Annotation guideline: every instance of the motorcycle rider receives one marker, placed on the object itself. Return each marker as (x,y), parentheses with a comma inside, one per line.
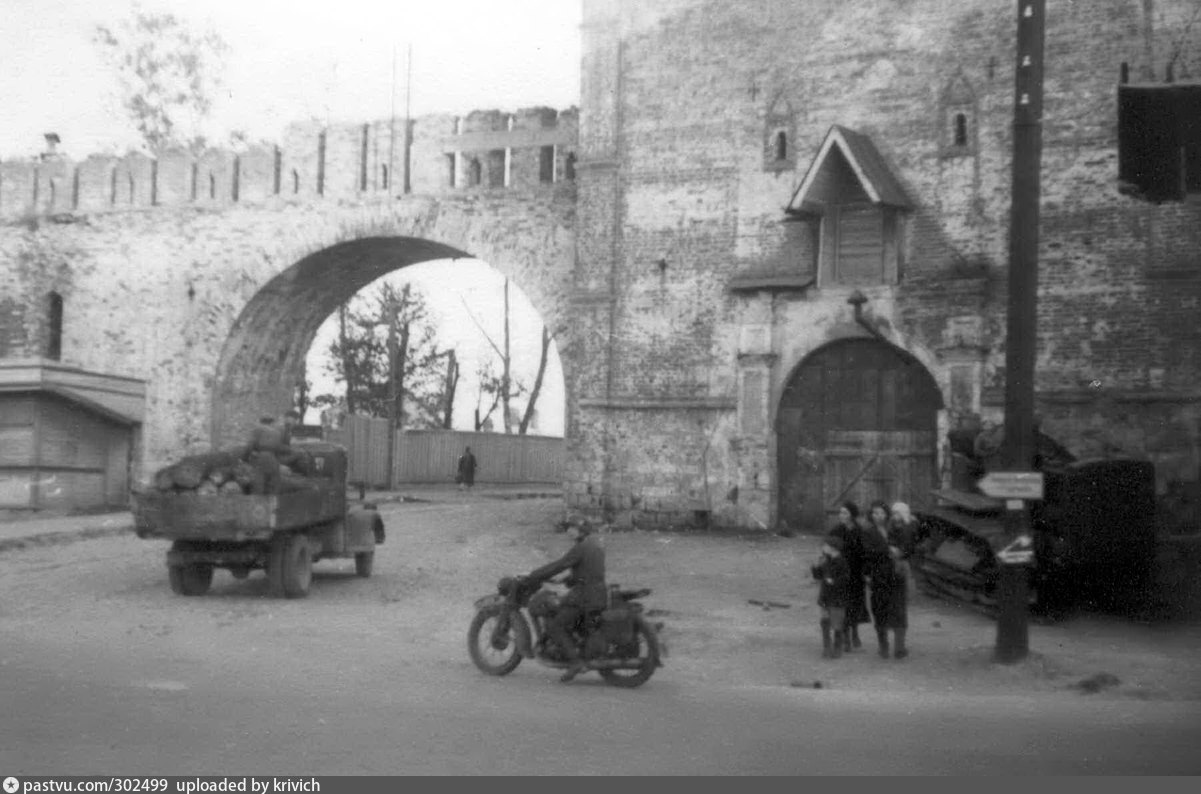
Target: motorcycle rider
(587,591)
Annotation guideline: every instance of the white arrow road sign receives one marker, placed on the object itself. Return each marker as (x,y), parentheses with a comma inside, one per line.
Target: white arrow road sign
(1012,484)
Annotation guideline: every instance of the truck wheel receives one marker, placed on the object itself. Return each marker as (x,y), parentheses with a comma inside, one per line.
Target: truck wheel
(297,568)
(190,580)
(363,562)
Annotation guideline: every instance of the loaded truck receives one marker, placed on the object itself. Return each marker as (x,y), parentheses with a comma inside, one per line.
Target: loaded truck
(281,533)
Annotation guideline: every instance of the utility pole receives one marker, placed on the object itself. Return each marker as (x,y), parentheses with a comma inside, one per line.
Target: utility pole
(408,147)
(1021,335)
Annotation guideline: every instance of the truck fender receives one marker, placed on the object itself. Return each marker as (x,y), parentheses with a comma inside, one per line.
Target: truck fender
(364,528)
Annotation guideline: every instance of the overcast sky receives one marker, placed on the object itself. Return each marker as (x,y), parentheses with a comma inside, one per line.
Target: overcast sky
(291,60)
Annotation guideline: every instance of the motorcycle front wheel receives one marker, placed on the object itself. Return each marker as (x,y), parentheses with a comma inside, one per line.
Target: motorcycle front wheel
(483,641)
(647,658)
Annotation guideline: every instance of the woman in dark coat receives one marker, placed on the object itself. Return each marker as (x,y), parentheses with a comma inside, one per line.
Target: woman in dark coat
(849,532)
(883,546)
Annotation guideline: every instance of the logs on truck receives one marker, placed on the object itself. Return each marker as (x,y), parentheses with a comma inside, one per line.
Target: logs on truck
(237,471)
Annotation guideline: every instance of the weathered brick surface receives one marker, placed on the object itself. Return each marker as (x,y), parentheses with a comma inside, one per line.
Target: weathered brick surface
(672,379)
(214,301)
(680,95)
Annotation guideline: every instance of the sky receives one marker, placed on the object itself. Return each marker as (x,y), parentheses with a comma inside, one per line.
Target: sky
(291,60)
(294,60)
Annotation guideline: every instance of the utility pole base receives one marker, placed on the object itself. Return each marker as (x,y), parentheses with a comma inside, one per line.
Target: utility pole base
(1013,636)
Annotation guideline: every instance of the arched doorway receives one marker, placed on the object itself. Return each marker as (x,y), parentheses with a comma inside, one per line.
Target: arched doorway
(857,420)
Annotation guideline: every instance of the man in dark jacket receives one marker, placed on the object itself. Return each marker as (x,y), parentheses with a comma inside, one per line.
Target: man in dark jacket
(587,591)
(467,466)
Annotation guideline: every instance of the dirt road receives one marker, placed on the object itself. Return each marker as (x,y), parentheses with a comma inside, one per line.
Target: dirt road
(105,668)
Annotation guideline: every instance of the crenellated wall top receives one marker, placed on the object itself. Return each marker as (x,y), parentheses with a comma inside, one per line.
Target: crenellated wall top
(312,159)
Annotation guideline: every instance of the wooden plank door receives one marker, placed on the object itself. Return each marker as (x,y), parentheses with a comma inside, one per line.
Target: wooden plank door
(857,422)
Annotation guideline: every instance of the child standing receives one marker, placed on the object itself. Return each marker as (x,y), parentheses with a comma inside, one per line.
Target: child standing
(833,594)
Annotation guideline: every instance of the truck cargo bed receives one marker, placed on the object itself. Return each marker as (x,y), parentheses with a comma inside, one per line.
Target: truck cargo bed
(191,516)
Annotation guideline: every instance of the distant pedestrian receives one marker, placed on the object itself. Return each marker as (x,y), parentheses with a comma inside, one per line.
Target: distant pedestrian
(889,596)
(851,533)
(833,593)
(467,467)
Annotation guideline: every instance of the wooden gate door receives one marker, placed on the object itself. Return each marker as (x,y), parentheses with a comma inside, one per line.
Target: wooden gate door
(857,421)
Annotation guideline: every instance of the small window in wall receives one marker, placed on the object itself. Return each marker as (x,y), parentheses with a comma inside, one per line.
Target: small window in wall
(781,145)
(212,185)
(1159,141)
(474,172)
(383,174)
(960,134)
(451,170)
(112,187)
(129,180)
(496,168)
(779,133)
(569,167)
(295,181)
(546,164)
(54,330)
(957,118)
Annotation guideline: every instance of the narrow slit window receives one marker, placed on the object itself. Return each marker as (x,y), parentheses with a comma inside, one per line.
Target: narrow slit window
(363,158)
(475,172)
(295,181)
(781,145)
(212,186)
(131,188)
(383,170)
(450,170)
(112,188)
(321,164)
(546,164)
(54,330)
(569,167)
(960,129)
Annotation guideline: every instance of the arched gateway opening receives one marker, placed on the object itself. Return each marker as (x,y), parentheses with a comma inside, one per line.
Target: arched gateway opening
(267,345)
(857,420)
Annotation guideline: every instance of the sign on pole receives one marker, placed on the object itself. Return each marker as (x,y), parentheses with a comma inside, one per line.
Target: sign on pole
(1012,484)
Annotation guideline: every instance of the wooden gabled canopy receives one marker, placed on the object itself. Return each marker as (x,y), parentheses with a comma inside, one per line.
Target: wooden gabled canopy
(847,169)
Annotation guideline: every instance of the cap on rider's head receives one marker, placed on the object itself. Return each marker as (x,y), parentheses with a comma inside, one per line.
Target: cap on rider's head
(583,528)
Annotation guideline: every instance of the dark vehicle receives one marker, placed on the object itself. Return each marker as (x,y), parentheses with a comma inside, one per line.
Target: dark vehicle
(280,533)
(618,642)
(1093,532)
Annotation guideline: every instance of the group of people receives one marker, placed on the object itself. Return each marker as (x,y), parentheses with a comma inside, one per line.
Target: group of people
(860,555)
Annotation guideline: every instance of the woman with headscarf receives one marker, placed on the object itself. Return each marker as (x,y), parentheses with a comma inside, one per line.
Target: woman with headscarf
(889,599)
(850,533)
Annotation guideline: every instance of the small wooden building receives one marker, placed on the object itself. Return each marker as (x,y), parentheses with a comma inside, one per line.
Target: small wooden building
(67,436)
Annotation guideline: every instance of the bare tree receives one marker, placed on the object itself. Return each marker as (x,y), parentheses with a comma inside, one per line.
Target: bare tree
(506,387)
(449,388)
(537,388)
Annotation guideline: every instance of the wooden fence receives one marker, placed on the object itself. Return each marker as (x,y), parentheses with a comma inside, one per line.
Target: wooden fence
(431,456)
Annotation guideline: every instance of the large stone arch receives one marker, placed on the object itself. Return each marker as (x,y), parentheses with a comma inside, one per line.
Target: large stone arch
(215,310)
(264,349)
